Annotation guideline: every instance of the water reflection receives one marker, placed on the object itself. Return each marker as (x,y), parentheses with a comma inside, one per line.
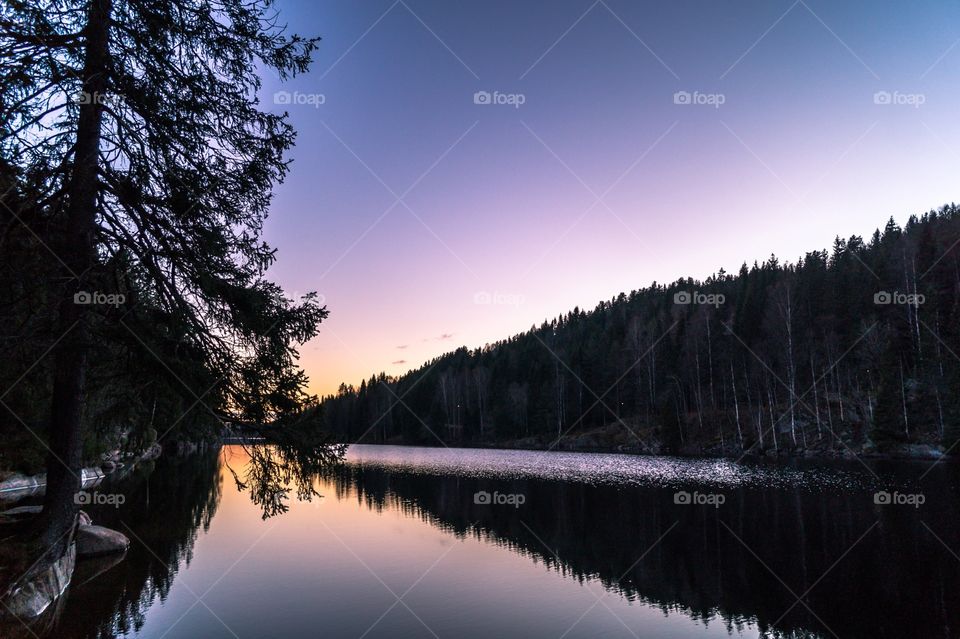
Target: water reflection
(795,558)
(167,507)
(272,471)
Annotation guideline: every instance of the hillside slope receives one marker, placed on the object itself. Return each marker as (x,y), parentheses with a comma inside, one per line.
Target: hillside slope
(851,350)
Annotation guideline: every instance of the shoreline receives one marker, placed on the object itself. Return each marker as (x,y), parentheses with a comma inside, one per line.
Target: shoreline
(910,452)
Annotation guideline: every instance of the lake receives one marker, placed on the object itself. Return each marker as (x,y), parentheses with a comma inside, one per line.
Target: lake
(428,542)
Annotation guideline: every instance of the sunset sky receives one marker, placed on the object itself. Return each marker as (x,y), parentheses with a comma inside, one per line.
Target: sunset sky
(614,143)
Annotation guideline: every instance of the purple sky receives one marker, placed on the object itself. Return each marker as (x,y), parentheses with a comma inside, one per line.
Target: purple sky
(428,221)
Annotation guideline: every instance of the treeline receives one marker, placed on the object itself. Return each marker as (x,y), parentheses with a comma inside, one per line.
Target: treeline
(848,348)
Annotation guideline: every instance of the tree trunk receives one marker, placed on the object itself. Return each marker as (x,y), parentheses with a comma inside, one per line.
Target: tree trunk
(903,398)
(736,406)
(816,396)
(78,254)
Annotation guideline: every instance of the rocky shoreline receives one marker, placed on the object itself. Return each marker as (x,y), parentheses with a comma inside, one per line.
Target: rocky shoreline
(16,486)
(929,452)
(919,451)
(612,440)
(31,596)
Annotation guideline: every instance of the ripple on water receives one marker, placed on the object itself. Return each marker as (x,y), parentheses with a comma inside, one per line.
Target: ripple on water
(603,468)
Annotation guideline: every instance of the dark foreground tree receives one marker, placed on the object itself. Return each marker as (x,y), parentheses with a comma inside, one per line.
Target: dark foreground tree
(134,135)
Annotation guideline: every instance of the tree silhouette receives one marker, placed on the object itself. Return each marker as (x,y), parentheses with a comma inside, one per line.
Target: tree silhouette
(133,129)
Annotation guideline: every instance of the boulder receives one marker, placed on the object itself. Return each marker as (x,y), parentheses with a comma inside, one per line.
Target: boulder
(16,486)
(152,452)
(919,451)
(95,541)
(89,477)
(22,511)
(43,584)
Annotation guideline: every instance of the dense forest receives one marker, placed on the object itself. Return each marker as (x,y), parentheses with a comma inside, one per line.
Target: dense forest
(845,351)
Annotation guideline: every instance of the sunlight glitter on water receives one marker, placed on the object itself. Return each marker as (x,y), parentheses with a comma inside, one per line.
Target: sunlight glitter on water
(604,468)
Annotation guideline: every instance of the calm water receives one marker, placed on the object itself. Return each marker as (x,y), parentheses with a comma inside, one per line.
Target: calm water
(398,547)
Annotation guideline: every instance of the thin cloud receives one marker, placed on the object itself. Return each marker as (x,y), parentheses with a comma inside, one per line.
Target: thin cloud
(445,336)
(400,361)
(402,346)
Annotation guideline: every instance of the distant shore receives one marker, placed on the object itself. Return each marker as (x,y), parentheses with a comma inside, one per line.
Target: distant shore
(820,450)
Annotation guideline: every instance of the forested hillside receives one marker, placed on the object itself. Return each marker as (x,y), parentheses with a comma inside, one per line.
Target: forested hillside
(848,349)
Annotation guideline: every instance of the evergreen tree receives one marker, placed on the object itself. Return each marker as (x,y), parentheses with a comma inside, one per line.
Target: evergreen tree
(134,128)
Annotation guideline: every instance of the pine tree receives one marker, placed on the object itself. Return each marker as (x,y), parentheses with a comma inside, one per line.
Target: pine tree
(135,127)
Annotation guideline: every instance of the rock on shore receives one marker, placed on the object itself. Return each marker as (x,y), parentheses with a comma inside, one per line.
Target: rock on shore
(96,541)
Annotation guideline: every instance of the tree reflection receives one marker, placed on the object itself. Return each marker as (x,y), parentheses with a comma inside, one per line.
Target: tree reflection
(730,565)
(291,460)
(168,505)
(733,566)
(167,508)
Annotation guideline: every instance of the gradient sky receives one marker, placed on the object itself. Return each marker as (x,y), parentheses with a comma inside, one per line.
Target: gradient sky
(409,207)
